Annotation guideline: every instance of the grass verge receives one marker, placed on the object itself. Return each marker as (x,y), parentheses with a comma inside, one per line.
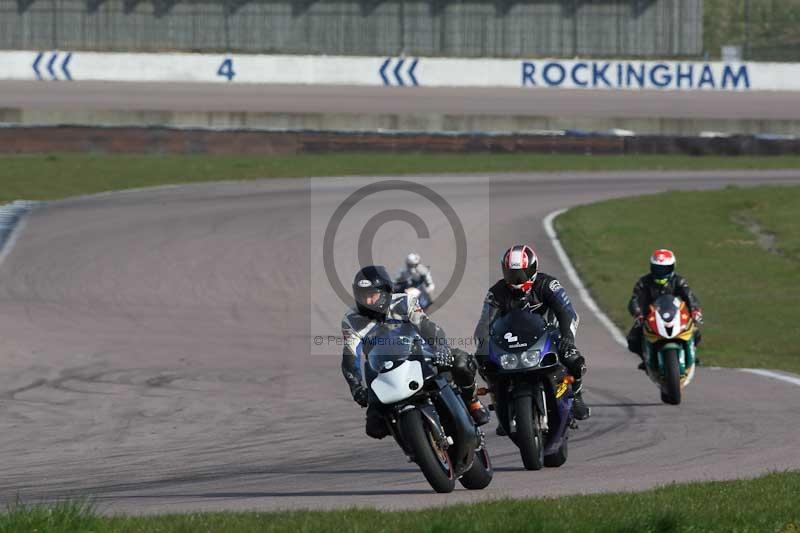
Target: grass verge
(47,177)
(768,503)
(739,249)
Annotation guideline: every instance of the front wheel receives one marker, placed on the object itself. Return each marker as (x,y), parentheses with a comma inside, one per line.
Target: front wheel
(529,436)
(432,460)
(480,473)
(671,392)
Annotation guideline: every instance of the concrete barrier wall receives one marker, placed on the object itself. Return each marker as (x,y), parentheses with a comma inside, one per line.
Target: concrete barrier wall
(415,122)
(51,66)
(193,141)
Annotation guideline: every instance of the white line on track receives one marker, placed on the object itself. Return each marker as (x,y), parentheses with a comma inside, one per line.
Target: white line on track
(20,210)
(603,318)
(788,378)
(576,280)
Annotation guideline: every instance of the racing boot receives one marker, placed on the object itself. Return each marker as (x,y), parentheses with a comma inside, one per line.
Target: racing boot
(642,365)
(376,424)
(580,411)
(479,413)
(500,432)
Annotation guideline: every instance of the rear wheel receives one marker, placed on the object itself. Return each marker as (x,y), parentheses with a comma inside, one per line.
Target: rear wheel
(672,378)
(480,473)
(558,458)
(529,437)
(431,458)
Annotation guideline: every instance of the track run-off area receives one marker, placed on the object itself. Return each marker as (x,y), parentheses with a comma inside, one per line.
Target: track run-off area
(252,98)
(158,350)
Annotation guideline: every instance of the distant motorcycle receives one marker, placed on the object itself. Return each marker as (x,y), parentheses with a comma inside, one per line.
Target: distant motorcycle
(417,290)
(425,414)
(532,390)
(669,346)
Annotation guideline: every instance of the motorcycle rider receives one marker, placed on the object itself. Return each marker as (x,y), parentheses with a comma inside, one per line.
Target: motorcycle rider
(376,304)
(661,280)
(415,274)
(524,287)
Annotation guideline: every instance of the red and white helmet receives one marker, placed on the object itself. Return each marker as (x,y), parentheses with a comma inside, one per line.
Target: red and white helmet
(520,266)
(662,266)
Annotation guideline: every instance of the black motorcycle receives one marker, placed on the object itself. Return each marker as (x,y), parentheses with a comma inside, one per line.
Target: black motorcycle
(423,410)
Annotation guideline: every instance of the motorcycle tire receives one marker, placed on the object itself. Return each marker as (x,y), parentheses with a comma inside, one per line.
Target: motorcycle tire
(559,458)
(529,436)
(672,378)
(435,464)
(480,474)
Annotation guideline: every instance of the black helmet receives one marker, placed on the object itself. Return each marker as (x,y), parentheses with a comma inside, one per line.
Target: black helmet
(372,291)
(520,266)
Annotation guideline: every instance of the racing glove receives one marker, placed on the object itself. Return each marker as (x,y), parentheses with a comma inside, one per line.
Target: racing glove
(575,363)
(360,395)
(444,357)
(697,316)
(565,345)
(638,320)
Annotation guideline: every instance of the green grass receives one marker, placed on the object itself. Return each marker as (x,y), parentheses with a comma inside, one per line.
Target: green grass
(766,504)
(45,177)
(749,295)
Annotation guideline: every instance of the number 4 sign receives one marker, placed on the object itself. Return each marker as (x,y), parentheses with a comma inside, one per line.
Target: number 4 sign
(226,69)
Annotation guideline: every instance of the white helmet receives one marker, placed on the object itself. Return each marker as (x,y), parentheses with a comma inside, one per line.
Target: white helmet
(412,260)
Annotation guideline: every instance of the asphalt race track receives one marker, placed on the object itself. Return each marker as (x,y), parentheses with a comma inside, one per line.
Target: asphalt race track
(156,352)
(216,97)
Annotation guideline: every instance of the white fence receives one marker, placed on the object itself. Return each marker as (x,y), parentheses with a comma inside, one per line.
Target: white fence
(51,66)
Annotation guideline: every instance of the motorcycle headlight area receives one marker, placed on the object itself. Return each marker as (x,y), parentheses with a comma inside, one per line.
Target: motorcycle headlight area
(530,358)
(527,359)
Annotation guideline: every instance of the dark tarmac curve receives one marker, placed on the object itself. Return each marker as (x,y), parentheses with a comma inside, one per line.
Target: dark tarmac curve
(155,353)
(218,97)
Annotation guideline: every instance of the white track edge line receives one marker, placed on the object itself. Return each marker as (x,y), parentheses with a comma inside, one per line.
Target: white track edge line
(12,238)
(603,318)
(20,209)
(576,280)
(786,377)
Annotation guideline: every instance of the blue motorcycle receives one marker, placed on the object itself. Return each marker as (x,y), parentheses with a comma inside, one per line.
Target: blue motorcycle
(532,391)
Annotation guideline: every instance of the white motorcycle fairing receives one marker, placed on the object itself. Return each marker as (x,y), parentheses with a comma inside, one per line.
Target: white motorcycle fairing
(395,385)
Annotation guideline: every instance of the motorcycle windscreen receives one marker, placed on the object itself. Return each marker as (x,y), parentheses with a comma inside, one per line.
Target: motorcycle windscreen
(667,306)
(392,343)
(517,331)
(399,383)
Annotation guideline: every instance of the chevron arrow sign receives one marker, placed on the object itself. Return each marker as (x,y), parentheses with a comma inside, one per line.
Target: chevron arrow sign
(48,64)
(399,71)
